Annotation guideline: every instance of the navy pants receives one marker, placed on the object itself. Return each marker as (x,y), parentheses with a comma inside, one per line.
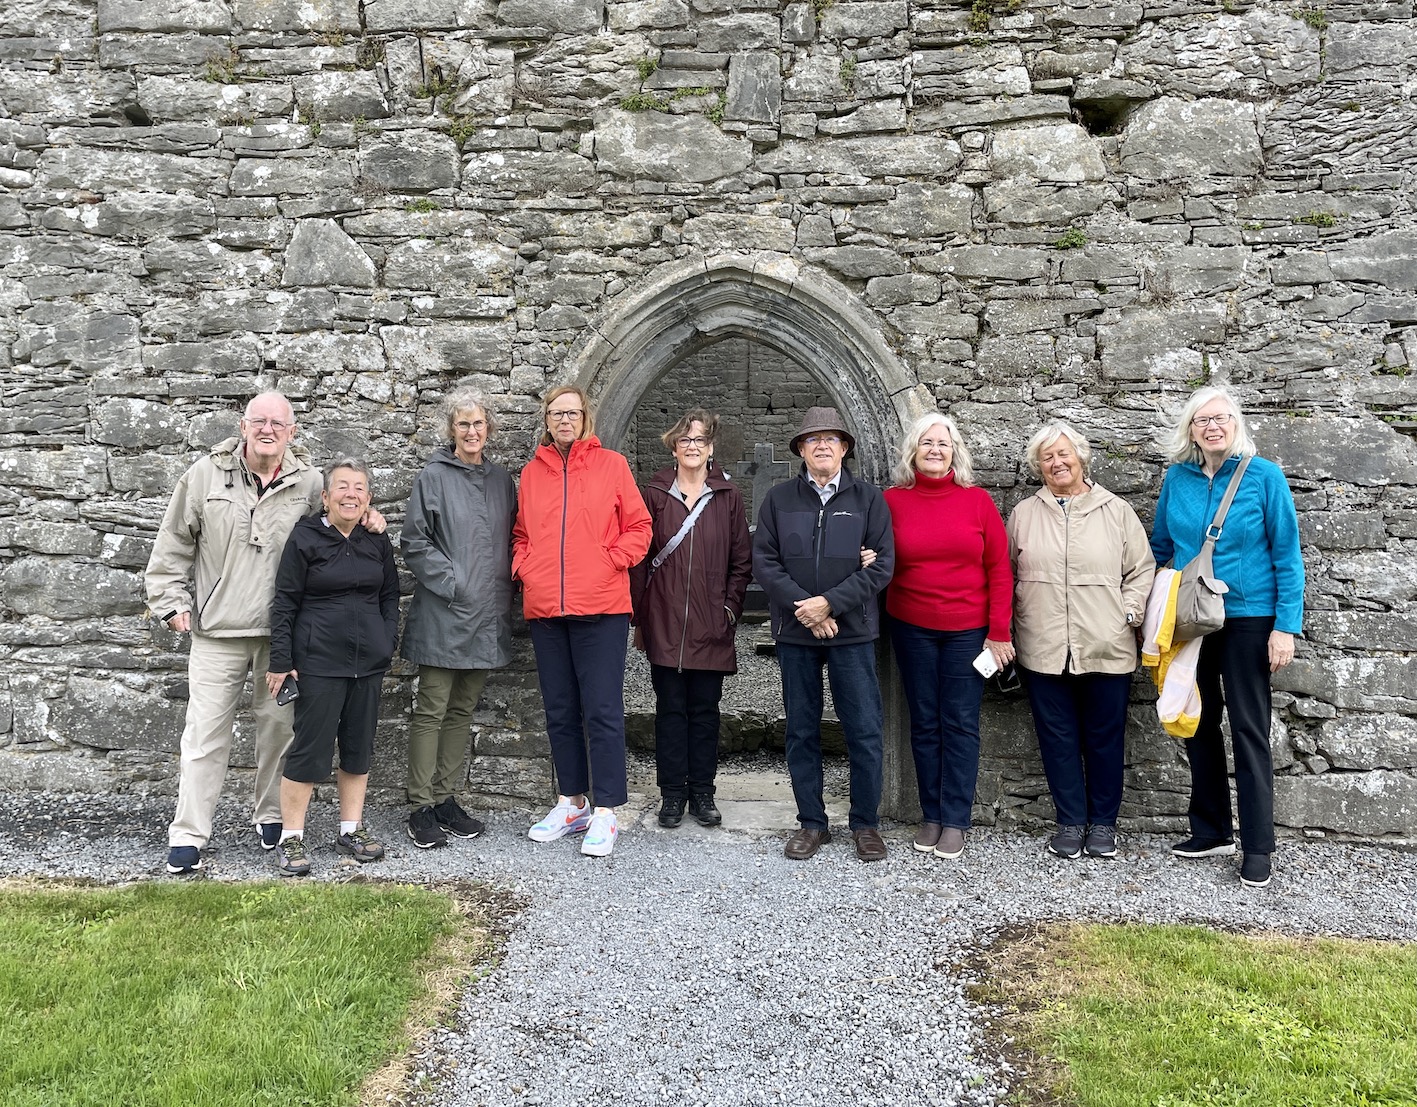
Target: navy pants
(857,697)
(1081,721)
(1235,659)
(686,720)
(943,690)
(580,664)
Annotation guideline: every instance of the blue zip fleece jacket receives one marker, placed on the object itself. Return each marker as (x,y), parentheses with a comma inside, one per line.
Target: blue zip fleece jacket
(1258,553)
(803,549)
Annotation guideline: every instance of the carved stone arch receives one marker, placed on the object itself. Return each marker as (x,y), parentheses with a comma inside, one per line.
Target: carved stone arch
(767,298)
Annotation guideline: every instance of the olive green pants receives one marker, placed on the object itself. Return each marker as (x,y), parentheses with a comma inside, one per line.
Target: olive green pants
(439,731)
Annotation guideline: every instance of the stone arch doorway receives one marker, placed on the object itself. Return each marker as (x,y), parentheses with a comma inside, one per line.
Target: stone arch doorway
(817,322)
(811,319)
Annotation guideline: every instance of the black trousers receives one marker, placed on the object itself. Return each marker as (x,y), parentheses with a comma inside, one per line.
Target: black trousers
(332,711)
(1233,677)
(686,719)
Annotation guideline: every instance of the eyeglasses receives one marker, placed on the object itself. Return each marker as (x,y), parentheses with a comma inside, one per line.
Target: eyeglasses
(478,425)
(275,424)
(1201,421)
(931,444)
(698,440)
(570,415)
(823,440)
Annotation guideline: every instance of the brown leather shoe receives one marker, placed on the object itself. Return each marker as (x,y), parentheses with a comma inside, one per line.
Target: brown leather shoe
(805,843)
(869,844)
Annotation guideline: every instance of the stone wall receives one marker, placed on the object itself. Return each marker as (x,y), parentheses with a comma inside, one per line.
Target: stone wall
(1079,209)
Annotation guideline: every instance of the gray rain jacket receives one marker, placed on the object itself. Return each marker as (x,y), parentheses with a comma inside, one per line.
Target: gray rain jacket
(457,542)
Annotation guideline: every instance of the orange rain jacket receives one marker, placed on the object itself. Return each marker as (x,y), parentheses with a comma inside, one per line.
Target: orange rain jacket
(580,526)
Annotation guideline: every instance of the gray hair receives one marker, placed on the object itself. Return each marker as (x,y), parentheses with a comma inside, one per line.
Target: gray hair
(903,474)
(1049,433)
(270,394)
(1178,445)
(707,419)
(465,398)
(348,463)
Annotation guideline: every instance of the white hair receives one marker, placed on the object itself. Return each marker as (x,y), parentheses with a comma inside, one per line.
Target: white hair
(903,474)
(271,395)
(1178,445)
(1049,433)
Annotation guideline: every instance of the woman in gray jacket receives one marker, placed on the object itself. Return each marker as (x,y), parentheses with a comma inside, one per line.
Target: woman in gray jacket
(457,541)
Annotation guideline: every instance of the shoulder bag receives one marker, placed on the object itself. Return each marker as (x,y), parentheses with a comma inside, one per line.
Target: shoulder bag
(1200,600)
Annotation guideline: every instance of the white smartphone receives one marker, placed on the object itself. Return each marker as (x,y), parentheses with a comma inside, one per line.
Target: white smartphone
(985,663)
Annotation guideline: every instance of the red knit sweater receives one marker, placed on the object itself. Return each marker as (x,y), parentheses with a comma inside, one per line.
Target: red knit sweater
(951,558)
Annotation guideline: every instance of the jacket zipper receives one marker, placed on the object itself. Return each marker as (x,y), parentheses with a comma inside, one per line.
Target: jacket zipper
(565,493)
(215,585)
(817,541)
(688,587)
(1067,587)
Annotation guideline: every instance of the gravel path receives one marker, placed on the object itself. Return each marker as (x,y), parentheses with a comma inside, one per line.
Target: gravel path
(702,967)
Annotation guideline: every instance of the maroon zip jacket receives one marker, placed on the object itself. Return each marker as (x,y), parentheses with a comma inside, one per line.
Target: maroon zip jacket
(683,608)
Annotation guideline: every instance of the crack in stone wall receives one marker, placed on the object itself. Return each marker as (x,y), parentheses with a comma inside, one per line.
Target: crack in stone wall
(1045,209)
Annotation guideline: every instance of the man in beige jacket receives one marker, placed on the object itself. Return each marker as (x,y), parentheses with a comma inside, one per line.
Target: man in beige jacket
(212,573)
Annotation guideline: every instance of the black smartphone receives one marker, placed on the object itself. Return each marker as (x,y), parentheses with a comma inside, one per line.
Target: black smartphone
(289,692)
(1007,678)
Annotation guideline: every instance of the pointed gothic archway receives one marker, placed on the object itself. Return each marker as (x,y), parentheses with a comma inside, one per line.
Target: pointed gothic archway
(818,323)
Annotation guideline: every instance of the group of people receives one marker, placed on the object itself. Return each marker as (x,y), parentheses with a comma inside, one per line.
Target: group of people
(292,579)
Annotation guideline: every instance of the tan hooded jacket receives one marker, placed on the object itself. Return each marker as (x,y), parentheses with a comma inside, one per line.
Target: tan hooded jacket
(1078,575)
(218,537)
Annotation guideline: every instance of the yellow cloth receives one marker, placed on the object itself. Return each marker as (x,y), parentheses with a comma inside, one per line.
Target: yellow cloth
(1172,664)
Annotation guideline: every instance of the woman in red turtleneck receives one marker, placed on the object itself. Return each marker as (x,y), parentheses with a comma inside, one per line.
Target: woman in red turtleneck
(950,598)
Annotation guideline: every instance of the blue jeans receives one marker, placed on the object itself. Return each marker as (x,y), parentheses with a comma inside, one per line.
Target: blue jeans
(857,696)
(580,664)
(943,690)
(1081,720)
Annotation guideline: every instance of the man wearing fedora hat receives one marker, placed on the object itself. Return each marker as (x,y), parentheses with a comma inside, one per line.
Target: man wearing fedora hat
(807,551)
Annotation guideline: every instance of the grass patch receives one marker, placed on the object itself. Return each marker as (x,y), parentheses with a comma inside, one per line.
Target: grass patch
(1074,238)
(1179,1016)
(203,994)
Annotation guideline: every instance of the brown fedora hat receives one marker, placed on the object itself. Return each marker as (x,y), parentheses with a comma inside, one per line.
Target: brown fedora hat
(820,419)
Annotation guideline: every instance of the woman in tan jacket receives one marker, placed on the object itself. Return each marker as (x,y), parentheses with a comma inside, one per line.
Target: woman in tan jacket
(1082,570)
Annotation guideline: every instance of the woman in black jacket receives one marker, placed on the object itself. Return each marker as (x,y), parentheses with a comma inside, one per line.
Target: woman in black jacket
(334,625)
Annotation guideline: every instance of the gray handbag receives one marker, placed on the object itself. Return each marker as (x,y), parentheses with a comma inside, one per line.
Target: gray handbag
(1200,601)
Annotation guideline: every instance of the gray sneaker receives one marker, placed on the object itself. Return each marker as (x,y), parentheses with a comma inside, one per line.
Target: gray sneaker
(951,843)
(1067,842)
(359,845)
(1101,841)
(291,859)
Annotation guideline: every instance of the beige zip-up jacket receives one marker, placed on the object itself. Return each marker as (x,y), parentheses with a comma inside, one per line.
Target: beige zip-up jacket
(219,547)
(1078,574)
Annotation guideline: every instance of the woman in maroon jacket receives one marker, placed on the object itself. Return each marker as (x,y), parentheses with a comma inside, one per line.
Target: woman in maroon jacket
(951,597)
(688,595)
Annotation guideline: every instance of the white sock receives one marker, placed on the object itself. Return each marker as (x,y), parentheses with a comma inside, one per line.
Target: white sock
(292,832)
(347,826)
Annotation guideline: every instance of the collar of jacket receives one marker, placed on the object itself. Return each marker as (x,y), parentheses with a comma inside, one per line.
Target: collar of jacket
(663,480)
(1226,468)
(228,455)
(1091,500)
(447,455)
(843,478)
(581,449)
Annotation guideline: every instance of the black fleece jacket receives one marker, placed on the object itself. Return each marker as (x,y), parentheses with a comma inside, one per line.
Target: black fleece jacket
(336,608)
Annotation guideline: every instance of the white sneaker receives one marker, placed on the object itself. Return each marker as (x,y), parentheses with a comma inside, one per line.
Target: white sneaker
(600,838)
(565,818)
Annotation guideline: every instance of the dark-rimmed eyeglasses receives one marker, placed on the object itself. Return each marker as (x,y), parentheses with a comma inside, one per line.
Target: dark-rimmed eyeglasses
(570,415)
(698,440)
(1201,421)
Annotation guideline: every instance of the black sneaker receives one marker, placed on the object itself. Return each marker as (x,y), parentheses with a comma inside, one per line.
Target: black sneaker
(423,828)
(1204,847)
(671,811)
(358,844)
(291,859)
(455,821)
(183,859)
(270,834)
(1101,841)
(1255,870)
(1067,842)
(702,808)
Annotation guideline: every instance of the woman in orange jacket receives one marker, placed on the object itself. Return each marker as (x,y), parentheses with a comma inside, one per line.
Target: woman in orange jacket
(580,525)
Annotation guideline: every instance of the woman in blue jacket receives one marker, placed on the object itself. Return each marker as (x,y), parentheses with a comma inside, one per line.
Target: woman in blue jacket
(1258,558)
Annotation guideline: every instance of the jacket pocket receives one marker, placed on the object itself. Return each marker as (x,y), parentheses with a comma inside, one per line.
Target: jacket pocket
(794,533)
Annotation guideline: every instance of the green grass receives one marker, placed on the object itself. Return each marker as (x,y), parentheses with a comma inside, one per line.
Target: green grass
(204,994)
(1177,1016)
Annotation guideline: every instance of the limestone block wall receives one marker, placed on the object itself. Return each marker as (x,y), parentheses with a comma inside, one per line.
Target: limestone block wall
(1073,208)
